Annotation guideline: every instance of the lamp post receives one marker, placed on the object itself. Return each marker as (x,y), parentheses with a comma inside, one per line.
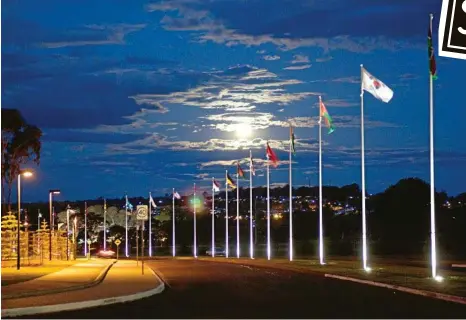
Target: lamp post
(25,173)
(51,193)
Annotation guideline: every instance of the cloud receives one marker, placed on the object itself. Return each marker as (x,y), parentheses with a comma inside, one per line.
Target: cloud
(300,59)
(240,88)
(324,59)
(351,79)
(300,67)
(110,35)
(225,23)
(339,103)
(271,58)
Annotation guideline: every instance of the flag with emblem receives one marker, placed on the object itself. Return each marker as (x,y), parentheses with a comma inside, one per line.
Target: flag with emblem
(271,156)
(230,182)
(376,87)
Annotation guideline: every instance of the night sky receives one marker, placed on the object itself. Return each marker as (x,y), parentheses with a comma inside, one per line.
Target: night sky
(136,96)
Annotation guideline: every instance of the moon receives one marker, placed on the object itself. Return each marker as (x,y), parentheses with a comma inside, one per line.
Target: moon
(243,130)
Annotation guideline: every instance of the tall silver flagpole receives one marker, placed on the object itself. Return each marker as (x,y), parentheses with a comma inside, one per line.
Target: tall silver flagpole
(226,214)
(237,212)
(213,218)
(67,231)
(105,224)
(321,227)
(126,226)
(363,178)
(432,176)
(268,210)
(195,227)
(291,199)
(251,245)
(150,224)
(173,225)
(85,229)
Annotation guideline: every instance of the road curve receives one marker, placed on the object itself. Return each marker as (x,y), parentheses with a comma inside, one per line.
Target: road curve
(203,289)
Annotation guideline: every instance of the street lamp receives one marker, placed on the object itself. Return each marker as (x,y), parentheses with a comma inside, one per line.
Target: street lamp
(51,193)
(27,174)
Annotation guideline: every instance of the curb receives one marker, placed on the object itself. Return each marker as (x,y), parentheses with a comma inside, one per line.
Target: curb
(19,312)
(430,294)
(95,282)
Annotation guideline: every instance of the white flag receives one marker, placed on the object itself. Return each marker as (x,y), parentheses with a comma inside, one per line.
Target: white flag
(177,195)
(376,87)
(152,202)
(215,186)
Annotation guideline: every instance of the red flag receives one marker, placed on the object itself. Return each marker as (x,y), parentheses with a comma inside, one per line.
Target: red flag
(272,156)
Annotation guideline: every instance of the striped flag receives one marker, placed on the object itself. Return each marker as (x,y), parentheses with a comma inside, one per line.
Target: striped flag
(324,114)
(239,170)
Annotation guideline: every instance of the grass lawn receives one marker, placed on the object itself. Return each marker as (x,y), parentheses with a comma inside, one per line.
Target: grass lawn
(454,282)
(10,275)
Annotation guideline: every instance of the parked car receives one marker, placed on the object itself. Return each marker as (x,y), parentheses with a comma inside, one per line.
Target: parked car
(220,252)
(106,254)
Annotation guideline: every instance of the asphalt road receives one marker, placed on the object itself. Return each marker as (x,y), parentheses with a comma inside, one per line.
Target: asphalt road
(202,289)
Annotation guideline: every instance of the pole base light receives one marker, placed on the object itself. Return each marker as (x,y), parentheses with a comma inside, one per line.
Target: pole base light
(438,278)
(322,263)
(368,269)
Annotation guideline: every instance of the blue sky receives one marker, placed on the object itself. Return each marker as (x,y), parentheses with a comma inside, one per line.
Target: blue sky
(137,96)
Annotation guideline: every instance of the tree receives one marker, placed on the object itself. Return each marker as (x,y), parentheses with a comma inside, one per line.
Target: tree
(20,144)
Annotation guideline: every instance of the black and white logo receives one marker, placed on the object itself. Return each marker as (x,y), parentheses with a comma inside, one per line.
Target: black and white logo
(452,32)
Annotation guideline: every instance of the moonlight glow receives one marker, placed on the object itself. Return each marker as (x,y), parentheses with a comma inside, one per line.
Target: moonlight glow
(243,130)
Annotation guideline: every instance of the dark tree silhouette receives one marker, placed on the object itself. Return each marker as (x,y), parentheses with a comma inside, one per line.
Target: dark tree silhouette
(20,144)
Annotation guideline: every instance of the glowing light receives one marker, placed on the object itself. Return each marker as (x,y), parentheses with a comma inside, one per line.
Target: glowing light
(243,130)
(438,278)
(27,174)
(368,269)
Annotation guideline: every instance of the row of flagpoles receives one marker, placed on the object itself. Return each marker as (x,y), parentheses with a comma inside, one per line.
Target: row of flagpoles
(370,84)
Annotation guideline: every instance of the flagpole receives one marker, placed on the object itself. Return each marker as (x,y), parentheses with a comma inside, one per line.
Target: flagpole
(291,199)
(237,212)
(213,216)
(105,225)
(321,227)
(67,231)
(173,225)
(226,214)
(150,224)
(85,229)
(126,226)
(363,180)
(195,227)
(251,246)
(432,176)
(268,210)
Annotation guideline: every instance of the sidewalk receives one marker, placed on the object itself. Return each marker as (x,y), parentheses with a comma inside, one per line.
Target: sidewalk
(81,274)
(124,282)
